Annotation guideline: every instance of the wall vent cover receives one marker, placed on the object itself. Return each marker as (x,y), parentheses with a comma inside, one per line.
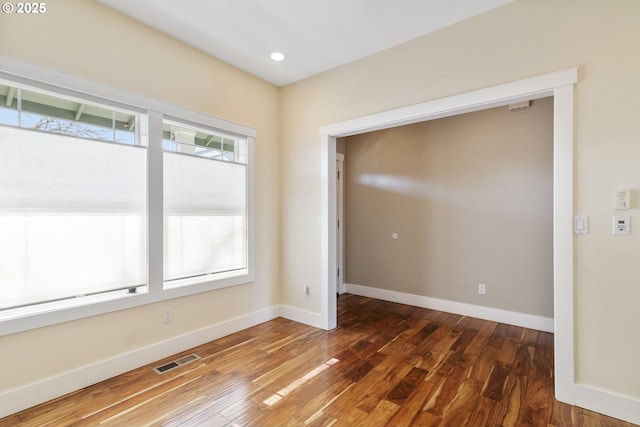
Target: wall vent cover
(176,363)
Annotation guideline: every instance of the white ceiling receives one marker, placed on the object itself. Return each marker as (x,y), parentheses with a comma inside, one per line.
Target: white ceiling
(315,35)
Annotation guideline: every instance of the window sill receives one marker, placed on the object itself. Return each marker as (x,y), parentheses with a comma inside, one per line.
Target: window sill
(205,278)
(80,301)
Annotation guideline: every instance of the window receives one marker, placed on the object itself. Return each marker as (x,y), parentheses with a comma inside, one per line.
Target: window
(39,110)
(205,205)
(109,200)
(72,205)
(183,138)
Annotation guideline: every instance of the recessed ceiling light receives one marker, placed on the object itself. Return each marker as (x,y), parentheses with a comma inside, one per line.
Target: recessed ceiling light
(277,56)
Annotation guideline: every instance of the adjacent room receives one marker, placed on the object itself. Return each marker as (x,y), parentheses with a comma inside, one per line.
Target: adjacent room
(439,207)
(288,212)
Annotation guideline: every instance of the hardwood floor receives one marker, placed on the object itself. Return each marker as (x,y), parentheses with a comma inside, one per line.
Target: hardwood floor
(386,364)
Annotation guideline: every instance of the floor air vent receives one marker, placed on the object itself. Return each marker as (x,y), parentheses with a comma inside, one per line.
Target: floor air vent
(176,363)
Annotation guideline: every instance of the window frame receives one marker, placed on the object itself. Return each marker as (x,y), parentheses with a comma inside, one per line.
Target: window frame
(156,111)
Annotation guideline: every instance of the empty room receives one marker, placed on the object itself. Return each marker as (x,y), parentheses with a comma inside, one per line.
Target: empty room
(290,212)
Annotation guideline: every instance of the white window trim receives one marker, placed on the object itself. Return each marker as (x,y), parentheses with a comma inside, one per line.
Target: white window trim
(67,85)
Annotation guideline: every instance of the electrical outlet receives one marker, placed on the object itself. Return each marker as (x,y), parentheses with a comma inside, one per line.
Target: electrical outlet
(482,288)
(307,291)
(167,315)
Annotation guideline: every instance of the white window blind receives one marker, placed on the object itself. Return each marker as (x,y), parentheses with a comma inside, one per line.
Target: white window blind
(72,217)
(205,219)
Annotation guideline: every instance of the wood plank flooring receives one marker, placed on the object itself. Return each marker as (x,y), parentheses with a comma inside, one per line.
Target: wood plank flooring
(386,364)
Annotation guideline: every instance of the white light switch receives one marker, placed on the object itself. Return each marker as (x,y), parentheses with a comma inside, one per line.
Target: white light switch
(581,224)
(621,225)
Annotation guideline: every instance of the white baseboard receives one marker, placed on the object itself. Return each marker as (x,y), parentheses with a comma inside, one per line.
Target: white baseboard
(607,403)
(494,314)
(302,316)
(342,288)
(16,400)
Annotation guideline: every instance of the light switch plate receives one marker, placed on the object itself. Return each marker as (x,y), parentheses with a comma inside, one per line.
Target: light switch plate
(581,224)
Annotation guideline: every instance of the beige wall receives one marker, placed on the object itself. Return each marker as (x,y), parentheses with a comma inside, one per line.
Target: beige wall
(471,200)
(519,40)
(86,39)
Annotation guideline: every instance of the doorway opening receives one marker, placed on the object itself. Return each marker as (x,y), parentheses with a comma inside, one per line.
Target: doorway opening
(559,85)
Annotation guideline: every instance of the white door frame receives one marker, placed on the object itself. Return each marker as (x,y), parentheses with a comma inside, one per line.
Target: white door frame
(340,257)
(560,85)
